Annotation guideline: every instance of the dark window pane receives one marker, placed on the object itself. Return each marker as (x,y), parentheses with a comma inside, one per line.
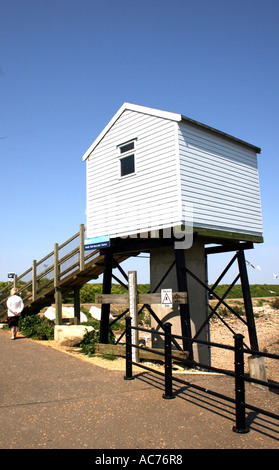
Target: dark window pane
(127,165)
(127,147)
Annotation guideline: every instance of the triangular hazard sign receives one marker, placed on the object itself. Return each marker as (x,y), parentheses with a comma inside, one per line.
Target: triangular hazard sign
(166,299)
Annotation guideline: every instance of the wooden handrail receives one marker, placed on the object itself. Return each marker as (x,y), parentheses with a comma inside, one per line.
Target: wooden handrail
(55,267)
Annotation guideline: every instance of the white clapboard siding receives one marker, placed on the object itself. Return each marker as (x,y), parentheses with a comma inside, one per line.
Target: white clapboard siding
(180,165)
(219,177)
(148,199)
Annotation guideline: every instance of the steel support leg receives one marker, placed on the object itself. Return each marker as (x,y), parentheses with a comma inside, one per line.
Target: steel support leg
(104,324)
(247,301)
(184,308)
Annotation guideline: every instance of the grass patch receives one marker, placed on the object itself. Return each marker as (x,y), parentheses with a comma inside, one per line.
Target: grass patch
(108,357)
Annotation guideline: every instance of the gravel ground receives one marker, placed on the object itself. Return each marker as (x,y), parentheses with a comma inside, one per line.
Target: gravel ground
(267,326)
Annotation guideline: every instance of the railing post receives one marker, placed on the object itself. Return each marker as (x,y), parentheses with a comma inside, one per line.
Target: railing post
(81,247)
(34,279)
(57,294)
(133,307)
(129,373)
(240,424)
(168,363)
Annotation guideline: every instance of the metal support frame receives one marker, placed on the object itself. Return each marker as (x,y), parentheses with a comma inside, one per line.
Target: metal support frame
(184,308)
(182,271)
(105,325)
(243,276)
(105,311)
(247,301)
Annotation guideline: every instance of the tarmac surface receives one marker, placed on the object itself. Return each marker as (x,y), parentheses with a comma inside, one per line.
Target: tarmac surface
(51,400)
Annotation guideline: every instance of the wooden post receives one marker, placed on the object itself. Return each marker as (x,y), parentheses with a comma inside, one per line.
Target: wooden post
(133,307)
(104,324)
(81,247)
(34,280)
(77,305)
(57,294)
(58,306)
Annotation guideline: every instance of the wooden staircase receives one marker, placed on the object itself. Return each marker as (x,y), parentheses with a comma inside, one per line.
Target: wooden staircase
(67,267)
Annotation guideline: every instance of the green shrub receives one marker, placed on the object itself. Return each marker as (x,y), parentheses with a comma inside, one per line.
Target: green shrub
(225,312)
(36,327)
(275,303)
(222,311)
(90,339)
(239,309)
(92,322)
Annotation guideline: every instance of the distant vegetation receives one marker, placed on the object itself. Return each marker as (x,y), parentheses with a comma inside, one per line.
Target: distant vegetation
(88,291)
(3,284)
(257,290)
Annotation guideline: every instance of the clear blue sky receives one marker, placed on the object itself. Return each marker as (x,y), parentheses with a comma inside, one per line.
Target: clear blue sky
(66,67)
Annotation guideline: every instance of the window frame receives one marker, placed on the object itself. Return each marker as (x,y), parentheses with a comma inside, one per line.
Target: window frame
(126,154)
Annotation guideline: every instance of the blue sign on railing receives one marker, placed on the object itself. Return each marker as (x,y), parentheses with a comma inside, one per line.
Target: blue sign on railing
(96,242)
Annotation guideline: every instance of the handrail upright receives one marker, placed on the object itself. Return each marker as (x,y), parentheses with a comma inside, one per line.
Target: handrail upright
(240,423)
(168,363)
(129,373)
(81,247)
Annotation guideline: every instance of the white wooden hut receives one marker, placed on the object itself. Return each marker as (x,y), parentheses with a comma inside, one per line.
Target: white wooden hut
(147,164)
(143,170)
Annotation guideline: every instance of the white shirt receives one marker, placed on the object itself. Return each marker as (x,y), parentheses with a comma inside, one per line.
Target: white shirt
(15,305)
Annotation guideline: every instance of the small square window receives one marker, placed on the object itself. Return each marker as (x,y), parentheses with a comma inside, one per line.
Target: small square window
(127,158)
(127,165)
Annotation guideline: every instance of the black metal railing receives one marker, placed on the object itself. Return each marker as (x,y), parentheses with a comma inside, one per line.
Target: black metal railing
(240,378)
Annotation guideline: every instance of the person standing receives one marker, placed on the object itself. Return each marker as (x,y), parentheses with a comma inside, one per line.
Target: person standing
(15,306)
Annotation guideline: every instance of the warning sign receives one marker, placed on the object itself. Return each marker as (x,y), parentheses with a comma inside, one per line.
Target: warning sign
(166,298)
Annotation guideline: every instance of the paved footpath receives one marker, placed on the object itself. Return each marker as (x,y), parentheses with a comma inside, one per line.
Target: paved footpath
(51,400)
